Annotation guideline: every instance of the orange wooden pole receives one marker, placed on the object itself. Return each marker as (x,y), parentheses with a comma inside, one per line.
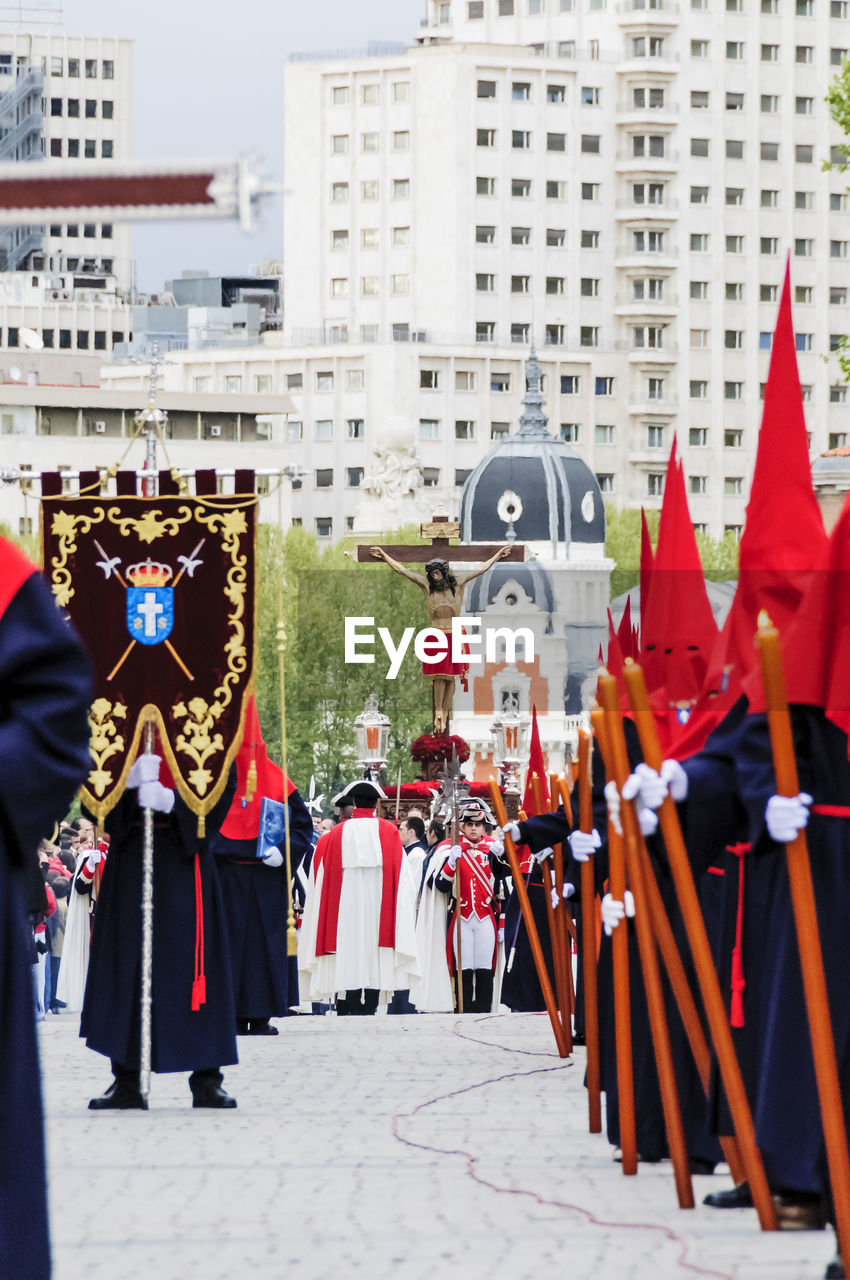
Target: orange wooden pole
(554,933)
(610,698)
(709,985)
(588,938)
(620,956)
(531,927)
(808,937)
(563,915)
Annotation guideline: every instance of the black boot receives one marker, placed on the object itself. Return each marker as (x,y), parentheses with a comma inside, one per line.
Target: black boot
(207,1091)
(834,1269)
(243,1027)
(123,1094)
(735,1198)
(261,1027)
(468,978)
(483,991)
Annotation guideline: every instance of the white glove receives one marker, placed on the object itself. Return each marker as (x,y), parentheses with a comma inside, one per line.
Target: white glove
(95,856)
(786,815)
(542,854)
(273,857)
(454,854)
(569,889)
(512,829)
(554,897)
(613,911)
(153,795)
(612,797)
(583,844)
(497,844)
(676,779)
(645,787)
(647,821)
(145,769)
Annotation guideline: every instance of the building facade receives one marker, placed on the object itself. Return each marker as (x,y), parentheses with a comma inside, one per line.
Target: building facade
(622,184)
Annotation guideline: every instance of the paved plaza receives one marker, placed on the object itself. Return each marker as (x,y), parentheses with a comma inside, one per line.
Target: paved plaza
(407,1147)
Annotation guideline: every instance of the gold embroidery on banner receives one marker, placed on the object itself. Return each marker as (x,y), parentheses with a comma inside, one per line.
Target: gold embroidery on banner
(196,741)
(64,527)
(151,525)
(105,740)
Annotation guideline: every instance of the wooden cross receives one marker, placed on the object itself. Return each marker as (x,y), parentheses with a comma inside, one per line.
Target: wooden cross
(440,529)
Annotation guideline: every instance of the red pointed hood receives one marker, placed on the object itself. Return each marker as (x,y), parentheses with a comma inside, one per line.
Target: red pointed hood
(243,819)
(678,629)
(625,632)
(647,562)
(536,764)
(816,643)
(616,657)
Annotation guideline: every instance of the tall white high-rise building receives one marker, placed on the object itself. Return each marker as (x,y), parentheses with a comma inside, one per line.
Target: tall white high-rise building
(66,97)
(619,182)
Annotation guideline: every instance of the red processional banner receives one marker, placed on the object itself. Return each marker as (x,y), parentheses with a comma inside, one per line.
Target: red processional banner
(161,591)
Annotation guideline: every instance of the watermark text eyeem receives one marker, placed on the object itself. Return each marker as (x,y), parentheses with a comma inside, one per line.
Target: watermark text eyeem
(432,646)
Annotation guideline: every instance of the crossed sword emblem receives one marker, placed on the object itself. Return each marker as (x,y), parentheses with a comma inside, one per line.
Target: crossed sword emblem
(110,567)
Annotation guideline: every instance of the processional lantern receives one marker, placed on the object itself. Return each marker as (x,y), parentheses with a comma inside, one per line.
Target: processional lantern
(371,735)
(510,731)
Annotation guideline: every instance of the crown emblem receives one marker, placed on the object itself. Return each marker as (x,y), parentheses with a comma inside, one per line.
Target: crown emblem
(149,573)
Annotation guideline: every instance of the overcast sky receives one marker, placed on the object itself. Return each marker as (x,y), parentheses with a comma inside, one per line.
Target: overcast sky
(209,84)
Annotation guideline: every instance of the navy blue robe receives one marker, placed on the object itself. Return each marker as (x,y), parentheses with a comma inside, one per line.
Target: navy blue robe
(45,690)
(181,1040)
(256,904)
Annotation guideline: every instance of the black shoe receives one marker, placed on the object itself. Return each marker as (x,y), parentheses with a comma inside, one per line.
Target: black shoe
(736,1198)
(835,1269)
(698,1166)
(243,1027)
(800,1211)
(212,1095)
(119,1097)
(261,1027)
(578,1038)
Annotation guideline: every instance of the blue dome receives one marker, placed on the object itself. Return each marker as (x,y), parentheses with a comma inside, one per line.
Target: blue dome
(531,577)
(559,499)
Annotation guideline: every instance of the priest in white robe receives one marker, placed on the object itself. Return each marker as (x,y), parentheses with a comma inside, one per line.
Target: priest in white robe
(358,933)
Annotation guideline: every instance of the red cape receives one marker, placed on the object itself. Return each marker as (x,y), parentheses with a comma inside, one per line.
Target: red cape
(328,854)
(15,568)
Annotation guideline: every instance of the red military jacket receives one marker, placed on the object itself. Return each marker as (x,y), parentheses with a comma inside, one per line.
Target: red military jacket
(477,884)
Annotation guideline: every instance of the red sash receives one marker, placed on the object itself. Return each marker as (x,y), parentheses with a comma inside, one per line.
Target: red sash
(15,568)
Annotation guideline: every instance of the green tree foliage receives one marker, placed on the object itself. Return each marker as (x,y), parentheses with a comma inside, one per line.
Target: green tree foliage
(317,589)
(622,543)
(838,101)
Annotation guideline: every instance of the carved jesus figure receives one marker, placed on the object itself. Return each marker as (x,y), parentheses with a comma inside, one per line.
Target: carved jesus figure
(444,595)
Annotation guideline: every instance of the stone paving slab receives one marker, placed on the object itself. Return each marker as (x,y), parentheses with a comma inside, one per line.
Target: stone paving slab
(404,1148)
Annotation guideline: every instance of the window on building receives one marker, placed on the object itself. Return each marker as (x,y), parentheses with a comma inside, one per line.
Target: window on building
(555,93)
(519,333)
(324,478)
(464,429)
(605,480)
(91,69)
(837,296)
(521,91)
(838,248)
(569,431)
(603,386)
(655,388)
(339,239)
(735,50)
(769,151)
(734,149)
(429,379)
(486,88)
(804,54)
(733,486)
(589,335)
(768,245)
(655,484)
(339,192)
(521,188)
(699,48)
(734,244)
(590,143)
(733,339)
(769,200)
(836,57)
(734,102)
(485,331)
(603,434)
(804,199)
(699,146)
(556,142)
(555,190)
(646,335)
(734,291)
(485,186)
(770,53)
(698,389)
(588,287)
(553,335)
(520,235)
(733,390)
(570,384)
(699,99)
(769,103)
(520,139)
(654,436)
(590,239)
(803,153)
(697,437)
(838,393)
(485,282)
(699,339)
(699,195)
(464,380)
(734,196)
(554,285)
(838,202)
(520,284)
(429,429)
(803,248)
(499,430)
(485,235)
(485,137)
(698,484)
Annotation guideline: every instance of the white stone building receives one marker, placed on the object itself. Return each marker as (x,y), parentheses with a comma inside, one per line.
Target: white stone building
(619,182)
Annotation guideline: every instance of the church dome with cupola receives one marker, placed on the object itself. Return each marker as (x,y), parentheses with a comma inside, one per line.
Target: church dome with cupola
(534,488)
(517,585)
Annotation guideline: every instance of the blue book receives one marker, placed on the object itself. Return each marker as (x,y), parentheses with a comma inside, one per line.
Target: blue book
(272,830)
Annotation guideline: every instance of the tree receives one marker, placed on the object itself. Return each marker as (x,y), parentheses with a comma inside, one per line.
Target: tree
(719,557)
(317,589)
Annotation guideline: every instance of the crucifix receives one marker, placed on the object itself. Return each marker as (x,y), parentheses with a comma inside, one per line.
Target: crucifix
(443,593)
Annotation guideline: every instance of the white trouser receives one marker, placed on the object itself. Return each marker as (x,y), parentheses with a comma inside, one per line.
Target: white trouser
(477,941)
(39,968)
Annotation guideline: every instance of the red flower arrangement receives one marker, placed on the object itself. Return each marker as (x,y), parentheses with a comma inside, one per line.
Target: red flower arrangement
(438,747)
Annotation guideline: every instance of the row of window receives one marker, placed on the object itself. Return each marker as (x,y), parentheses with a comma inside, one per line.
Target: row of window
(769,103)
(521,188)
(72,229)
(700,291)
(475,8)
(804,153)
(370,142)
(370,190)
(67,339)
(57,67)
(70,147)
(733,487)
(71,107)
(370,94)
(804,54)
(521,140)
(769,198)
(467,380)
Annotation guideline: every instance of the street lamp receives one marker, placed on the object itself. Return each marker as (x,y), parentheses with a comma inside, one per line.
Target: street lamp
(371,734)
(510,730)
